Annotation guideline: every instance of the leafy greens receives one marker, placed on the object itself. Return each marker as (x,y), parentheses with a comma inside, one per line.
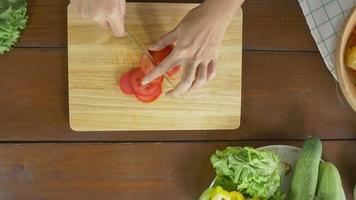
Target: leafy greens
(12,20)
(255,173)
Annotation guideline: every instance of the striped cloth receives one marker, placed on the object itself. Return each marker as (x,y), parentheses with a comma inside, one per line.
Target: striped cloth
(325,19)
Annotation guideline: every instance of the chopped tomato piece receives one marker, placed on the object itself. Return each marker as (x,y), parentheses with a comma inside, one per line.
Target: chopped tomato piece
(146,66)
(173,71)
(158,80)
(136,77)
(150,98)
(125,84)
(130,83)
(158,56)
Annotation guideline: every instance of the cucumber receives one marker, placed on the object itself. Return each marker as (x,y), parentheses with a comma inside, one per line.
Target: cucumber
(305,176)
(329,183)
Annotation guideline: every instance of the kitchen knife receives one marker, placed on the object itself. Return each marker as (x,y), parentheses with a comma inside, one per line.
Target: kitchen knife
(146,53)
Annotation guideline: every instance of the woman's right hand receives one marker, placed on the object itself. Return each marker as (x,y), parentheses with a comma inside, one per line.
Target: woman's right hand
(107,13)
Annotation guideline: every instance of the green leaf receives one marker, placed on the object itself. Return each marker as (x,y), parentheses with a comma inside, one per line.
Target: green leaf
(13,20)
(252,172)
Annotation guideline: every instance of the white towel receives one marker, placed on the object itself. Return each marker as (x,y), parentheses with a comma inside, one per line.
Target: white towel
(325,19)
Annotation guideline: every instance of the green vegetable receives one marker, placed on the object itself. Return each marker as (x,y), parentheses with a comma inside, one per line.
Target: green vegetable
(12,20)
(206,194)
(305,176)
(329,183)
(249,171)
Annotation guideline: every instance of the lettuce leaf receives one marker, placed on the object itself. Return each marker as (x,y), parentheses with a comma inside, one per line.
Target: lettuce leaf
(252,172)
(12,20)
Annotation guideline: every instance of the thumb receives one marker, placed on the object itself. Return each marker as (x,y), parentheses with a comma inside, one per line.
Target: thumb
(166,40)
(117,26)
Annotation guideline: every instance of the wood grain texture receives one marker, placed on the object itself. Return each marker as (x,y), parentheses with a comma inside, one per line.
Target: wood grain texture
(280,101)
(97,59)
(129,171)
(268,25)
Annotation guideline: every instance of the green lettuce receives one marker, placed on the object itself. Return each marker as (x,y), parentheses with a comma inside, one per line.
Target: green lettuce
(252,172)
(12,20)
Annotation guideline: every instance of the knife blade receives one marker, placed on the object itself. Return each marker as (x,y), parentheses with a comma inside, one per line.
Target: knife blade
(146,53)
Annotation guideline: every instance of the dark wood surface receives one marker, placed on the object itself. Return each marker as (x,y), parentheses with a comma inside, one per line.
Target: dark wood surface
(287,95)
(128,171)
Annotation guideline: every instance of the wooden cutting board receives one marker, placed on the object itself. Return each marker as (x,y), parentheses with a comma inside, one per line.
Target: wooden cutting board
(96,60)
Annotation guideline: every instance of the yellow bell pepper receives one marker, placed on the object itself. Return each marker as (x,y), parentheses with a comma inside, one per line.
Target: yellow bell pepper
(236,196)
(351,57)
(220,194)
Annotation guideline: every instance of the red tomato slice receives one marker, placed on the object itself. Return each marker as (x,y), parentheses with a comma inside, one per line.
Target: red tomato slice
(150,98)
(125,85)
(136,77)
(158,80)
(146,66)
(173,71)
(158,56)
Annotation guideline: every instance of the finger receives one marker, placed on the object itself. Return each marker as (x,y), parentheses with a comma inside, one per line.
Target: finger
(102,23)
(75,5)
(164,41)
(201,78)
(84,11)
(123,7)
(186,82)
(211,70)
(161,69)
(117,27)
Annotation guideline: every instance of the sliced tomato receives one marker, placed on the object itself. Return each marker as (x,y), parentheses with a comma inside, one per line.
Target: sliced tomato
(173,71)
(136,76)
(158,80)
(146,66)
(125,85)
(158,56)
(150,98)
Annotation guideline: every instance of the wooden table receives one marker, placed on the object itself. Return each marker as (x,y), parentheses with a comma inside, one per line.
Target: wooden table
(288,94)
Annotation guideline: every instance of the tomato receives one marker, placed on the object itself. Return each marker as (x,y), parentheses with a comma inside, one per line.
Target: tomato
(158,80)
(125,85)
(150,98)
(136,77)
(158,56)
(146,66)
(173,71)
(130,83)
